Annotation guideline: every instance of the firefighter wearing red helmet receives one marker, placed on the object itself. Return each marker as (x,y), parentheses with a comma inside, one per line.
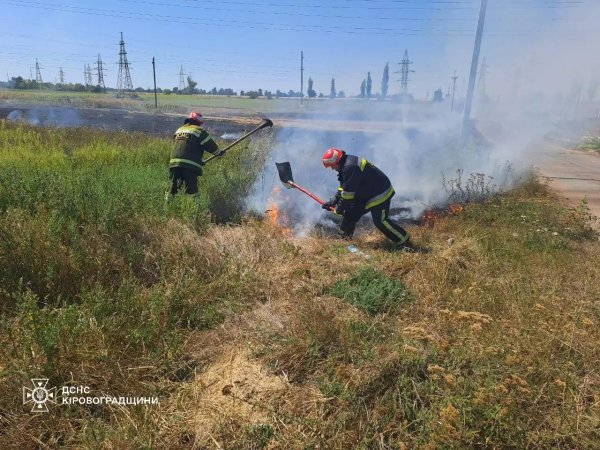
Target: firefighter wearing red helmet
(363,188)
(185,165)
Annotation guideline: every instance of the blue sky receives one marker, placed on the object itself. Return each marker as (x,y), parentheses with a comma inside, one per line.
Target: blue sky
(251,44)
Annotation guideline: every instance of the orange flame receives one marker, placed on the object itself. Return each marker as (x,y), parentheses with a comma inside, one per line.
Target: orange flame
(431,216)
(274,214)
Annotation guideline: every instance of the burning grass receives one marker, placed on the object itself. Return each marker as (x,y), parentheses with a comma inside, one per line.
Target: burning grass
(251,338)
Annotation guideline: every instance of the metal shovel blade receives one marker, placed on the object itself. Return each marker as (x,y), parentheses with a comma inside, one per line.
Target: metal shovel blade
(285,173)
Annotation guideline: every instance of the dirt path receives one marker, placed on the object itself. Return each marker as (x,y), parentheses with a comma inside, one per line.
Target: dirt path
(573,174)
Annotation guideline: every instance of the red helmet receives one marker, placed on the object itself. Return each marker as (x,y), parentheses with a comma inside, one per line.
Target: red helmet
(332,157)
(196,117)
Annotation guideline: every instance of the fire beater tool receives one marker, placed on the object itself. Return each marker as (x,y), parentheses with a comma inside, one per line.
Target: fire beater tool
(265,123)
(285,175)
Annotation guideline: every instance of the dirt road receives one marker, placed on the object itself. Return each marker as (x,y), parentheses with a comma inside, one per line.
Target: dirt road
(573,174)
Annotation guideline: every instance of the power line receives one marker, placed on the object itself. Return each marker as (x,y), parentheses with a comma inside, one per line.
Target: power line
(250,24)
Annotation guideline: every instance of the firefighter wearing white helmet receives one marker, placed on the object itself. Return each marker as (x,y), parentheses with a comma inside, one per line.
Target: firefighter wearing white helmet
(185,165)
(363,188)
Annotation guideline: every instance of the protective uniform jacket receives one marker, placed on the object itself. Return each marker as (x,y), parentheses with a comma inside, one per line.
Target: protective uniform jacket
(191,141)
(362,185)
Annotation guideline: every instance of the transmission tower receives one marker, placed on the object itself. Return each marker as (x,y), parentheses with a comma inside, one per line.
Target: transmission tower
(404,71)
(181,79)
(100,73)
(61,76)
(89,81)
(482,76)
(124,84)
(38,74)
(454,78)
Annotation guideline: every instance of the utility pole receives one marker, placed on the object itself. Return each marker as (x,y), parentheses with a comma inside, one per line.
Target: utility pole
(301,77)
(100,73)
(454,78)
(61,76)
(482,74)
(154,73)
(38,74)
(124,84)
(466,127)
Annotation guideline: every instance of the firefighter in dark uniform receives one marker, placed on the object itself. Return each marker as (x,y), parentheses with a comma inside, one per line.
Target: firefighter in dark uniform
(191,141)
(363,188)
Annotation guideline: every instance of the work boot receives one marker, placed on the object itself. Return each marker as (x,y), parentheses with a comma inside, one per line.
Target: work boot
(343,235)
(408,247)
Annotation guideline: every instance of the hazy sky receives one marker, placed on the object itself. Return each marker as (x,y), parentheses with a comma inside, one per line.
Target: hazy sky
(251,44)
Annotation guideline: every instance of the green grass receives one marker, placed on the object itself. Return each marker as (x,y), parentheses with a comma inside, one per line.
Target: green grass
(591,143)
(210,104)
(489,342)
(98,273)
(372,291)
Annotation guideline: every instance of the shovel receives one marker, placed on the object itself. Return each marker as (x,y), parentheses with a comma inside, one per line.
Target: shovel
(285,175)
(264,124)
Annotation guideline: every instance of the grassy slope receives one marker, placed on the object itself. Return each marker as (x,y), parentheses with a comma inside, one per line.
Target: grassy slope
(252,339)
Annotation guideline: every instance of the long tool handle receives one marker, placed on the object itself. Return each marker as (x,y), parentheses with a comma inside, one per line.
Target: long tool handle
(307,192)
(264,124)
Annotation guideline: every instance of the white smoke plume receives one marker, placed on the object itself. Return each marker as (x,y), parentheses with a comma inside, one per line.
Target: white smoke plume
(47,116)
(542,84)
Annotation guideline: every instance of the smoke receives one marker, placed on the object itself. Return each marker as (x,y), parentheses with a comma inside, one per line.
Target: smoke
(416,146)
(542,83)
(55,117)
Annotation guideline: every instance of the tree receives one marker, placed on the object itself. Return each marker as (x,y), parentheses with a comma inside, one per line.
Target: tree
(369,84)
(438,96)
(341,94)
(311,92)
(191,87)
(363,88)
(332,93)
(385,81)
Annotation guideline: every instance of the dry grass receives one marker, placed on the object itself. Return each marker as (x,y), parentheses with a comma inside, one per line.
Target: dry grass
(493,351)
(498,347)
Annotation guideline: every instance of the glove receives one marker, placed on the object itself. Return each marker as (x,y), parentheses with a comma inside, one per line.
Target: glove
(330,204)
(220,153)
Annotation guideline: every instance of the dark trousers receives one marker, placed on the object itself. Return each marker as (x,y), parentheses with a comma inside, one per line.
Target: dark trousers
(380,215)
(184,180)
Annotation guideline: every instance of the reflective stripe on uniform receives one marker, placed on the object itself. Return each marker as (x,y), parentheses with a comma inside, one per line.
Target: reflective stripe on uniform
(348,195)
(186,129)
(208,138)
(185,161)
(363,164)
(379,199)
(395,232)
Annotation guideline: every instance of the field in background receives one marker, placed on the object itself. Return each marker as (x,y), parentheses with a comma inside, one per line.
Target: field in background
(253,339)
(213,104)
